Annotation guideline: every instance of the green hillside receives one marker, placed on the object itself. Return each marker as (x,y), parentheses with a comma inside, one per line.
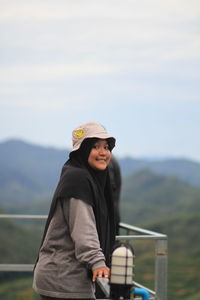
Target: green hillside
(19,244)
(147,197)
(18,289)
(19,241)
(184,254)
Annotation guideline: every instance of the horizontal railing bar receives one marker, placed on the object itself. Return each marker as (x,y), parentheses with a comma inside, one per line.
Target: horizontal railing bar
(17,267)
(140,237)
(138,229)
(6,216)
(122,225)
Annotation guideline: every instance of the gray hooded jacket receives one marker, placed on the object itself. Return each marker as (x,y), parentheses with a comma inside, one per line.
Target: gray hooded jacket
(70,250)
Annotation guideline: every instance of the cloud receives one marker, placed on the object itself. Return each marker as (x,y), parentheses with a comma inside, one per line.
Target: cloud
(61,9)
(24,73)
(111,29)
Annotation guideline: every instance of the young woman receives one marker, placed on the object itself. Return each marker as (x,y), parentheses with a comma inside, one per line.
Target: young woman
(80,229)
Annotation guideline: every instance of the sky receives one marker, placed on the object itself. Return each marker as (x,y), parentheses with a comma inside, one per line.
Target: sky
(133,66)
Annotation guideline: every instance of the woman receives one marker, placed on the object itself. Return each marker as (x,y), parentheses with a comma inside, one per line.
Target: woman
(80,229)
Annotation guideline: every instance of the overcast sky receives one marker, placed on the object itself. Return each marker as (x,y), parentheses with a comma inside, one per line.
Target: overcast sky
(133,66)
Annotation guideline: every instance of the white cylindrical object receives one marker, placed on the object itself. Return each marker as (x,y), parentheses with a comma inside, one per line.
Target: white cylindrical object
(122,266)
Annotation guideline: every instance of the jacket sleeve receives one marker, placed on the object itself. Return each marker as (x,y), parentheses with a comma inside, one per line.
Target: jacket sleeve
(82,226)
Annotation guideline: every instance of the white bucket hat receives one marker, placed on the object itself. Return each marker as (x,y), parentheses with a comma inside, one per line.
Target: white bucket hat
(90,130)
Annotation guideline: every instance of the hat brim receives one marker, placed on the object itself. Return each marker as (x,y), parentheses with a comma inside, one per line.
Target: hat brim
(103,136)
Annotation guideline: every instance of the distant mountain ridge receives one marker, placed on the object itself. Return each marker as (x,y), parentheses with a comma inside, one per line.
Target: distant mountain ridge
(185,169)
(18,154)
(30,172)
(148,196)
(28,169)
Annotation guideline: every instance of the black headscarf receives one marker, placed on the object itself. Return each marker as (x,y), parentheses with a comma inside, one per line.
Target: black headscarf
(80,181)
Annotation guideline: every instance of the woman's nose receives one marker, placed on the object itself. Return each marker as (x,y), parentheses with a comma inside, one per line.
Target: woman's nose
(102,150)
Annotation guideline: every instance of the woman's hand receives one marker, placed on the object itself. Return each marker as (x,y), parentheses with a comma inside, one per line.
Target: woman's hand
(100,272)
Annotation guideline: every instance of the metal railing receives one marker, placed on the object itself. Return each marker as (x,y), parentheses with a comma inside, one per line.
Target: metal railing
(161,257)
(132,233)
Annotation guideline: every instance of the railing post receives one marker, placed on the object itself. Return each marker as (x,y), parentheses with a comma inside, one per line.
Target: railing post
(161,265)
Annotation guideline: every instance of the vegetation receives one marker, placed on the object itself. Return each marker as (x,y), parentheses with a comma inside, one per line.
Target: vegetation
(19,289)
(184,258)
(148,197)
(19,241)
(154,197)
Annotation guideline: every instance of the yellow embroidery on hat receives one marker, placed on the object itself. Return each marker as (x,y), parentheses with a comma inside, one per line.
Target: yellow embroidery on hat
(79,133)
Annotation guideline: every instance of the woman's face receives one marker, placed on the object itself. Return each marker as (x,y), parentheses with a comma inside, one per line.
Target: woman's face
(100,155)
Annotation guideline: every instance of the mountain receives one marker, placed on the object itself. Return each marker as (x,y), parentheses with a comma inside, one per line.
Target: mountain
(185,169)
(28,172)
(37,165)
(148,196)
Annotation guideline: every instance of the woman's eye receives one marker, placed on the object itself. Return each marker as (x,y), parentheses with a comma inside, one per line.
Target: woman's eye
(97,147)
